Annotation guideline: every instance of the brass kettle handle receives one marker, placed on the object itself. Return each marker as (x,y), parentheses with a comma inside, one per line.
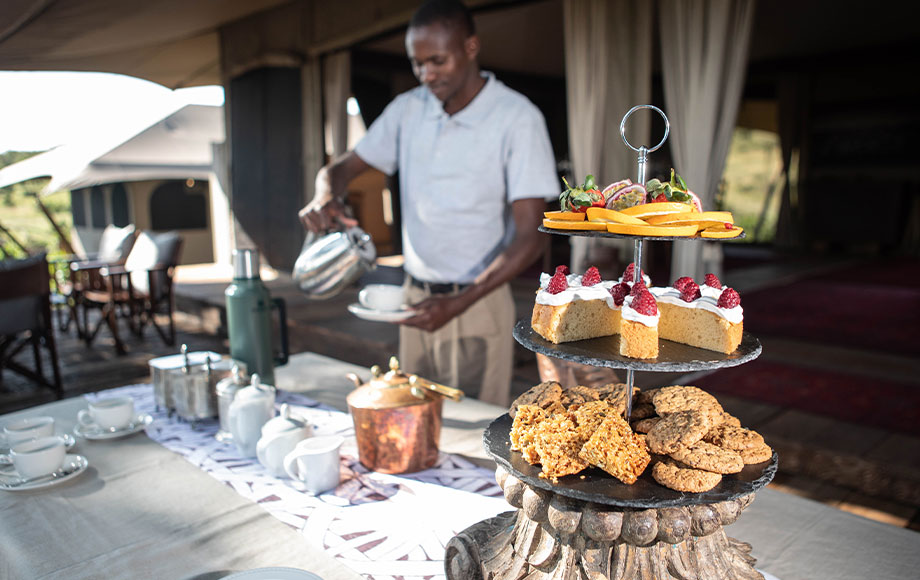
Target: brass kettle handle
(445,391)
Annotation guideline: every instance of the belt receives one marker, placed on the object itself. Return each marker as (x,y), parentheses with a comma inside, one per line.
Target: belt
(437,287)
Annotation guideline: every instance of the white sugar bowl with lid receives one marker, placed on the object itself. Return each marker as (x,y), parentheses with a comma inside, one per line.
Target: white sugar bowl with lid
(279,437)
(251,409)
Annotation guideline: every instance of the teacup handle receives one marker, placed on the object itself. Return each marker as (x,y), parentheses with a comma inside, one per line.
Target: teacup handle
(84,418)
(290,464)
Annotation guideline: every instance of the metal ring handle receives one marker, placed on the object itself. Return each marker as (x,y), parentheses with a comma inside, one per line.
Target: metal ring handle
(667,127)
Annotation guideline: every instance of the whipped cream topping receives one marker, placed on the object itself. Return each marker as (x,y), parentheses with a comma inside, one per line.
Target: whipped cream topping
(630,314)
(575,291)
(706,302)
(710,291)
(645,278)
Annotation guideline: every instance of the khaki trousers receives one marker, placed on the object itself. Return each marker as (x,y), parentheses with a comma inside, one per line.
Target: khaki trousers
(473,352)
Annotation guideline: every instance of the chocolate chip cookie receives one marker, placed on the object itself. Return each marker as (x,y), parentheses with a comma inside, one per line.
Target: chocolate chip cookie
(542,395)
(679,429)
(679,477)
(706,456)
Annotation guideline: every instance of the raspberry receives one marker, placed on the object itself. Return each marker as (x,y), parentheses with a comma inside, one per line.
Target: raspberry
(729,226)
(645,304)
(682,282)
(690,291)
(591,277)
(713,281)
(630,272)
(564,269)
(729,298)
(619,292)
(660,198)
(637,288)
(557,283)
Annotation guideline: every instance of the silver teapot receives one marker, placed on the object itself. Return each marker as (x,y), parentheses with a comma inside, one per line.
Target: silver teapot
(330,262)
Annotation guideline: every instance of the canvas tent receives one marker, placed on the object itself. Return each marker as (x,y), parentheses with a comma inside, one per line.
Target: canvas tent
(175,141)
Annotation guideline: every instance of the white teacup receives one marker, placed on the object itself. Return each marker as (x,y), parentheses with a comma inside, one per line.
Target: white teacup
(37,457)
(383,297)
(27,428)
(315,463)
(111,413)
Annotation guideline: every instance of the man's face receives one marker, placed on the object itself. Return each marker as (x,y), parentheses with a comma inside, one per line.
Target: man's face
(442,58)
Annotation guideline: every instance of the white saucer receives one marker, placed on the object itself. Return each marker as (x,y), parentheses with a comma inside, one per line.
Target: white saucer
(73,466)
(379,315)
(69,442)
(95,432)
(273,574)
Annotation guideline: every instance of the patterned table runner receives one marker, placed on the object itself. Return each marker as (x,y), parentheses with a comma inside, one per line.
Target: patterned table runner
(384,527)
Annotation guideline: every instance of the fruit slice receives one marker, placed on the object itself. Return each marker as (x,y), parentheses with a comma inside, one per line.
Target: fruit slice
(647,210)
(569,216)
(716,217)
(647,230)
(721,231)
(600,214)
(570,225)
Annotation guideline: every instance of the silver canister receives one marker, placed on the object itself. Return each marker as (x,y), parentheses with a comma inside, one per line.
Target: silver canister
(226,390)
(163,369)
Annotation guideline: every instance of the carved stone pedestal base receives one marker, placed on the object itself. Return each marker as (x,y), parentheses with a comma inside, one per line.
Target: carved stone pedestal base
(558,538)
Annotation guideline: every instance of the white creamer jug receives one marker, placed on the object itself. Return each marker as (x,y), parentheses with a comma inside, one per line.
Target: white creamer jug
(252,407)
(279,437)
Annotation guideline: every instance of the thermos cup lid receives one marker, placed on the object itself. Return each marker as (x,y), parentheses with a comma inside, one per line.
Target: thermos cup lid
(245,264)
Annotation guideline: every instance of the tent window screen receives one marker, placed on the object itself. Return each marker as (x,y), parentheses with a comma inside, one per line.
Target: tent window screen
(119,205)
(78,207)
(179,205)
(97,207)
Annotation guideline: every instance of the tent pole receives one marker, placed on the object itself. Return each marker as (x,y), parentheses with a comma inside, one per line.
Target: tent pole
(65,243)
(13,239)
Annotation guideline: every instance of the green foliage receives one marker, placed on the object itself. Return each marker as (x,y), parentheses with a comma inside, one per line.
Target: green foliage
(20,214)
(754,163)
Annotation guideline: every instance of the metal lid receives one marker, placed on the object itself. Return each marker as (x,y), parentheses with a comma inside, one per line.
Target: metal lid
(245,264)
(397,389)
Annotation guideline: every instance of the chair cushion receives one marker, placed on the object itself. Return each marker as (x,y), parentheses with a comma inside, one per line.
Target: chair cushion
(115,243)
(149,250)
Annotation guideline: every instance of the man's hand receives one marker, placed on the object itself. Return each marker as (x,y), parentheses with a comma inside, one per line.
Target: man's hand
(321,216)
(436,311)
(327,210)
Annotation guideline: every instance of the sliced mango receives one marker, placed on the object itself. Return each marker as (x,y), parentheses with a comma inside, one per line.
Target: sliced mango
(569,216)
(686,218)
(600,214)
(647,230)
(647,210)
(722,232)
(570,225)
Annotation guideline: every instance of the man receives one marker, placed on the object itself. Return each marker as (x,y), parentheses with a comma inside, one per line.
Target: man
(475,168)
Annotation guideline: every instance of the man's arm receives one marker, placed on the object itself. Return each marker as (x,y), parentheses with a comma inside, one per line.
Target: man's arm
(328,204)
(527,245)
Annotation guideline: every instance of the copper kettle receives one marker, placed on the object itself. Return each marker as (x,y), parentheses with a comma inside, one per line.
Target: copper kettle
(397,419)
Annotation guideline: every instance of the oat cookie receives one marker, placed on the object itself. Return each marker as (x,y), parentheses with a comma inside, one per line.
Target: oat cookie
(645,425)
(522,429)
(589,416)
(756,454)
(617,450)
(645,396)
(615,394)
(680,429)
(677,398)
(679,477)
(542,395)
(578,395)
(706,456)
(731,437)
(642,411)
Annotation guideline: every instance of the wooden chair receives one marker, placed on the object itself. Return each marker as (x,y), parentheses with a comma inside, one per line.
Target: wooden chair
(84,273)
(137,291)
(25,318)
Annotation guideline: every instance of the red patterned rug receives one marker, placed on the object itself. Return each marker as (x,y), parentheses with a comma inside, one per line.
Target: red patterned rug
(874,307)
(888,405)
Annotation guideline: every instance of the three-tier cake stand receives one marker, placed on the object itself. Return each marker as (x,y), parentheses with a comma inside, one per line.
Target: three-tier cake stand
(590,526)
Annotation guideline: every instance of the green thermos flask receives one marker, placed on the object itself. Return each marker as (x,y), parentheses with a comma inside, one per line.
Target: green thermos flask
(249,318)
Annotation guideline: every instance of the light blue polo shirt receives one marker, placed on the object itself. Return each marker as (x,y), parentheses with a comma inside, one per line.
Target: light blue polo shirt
(459,174)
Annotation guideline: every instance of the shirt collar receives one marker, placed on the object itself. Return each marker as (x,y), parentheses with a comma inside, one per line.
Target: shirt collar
(474,111)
